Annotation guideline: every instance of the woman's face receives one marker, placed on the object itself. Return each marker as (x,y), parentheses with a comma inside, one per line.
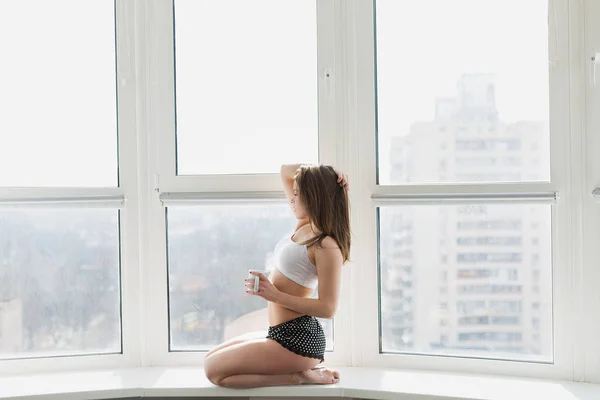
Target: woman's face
(296,203)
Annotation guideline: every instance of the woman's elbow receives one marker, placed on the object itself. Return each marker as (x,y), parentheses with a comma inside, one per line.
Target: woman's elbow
(329,312)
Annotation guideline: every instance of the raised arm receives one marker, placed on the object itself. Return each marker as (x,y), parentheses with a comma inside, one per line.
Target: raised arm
(288,171)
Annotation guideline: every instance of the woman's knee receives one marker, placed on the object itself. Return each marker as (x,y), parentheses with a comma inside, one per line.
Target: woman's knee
(211,371)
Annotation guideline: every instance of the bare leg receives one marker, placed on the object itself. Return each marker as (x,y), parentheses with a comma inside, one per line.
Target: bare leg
(312,376)
(263,362)
(237,340)
(252,381)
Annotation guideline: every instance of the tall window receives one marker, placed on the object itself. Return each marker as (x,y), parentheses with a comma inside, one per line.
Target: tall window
(240,107)
(463,185)
(462,105)
(60,256)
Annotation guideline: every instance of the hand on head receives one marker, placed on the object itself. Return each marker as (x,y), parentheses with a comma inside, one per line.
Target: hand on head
(342,179)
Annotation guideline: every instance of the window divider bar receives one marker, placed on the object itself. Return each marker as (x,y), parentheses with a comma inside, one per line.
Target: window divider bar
(82,201)
(217,198)
(465,198)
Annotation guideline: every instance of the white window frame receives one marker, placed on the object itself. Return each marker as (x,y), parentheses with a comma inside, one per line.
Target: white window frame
(588,181)
(566,90)
(170,189)
(347,140)
(123,198)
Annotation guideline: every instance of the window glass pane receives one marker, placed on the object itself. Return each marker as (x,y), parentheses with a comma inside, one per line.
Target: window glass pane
(59,282)
(211,249)
(58,96)
(466,281)
(246,87)
(469,100)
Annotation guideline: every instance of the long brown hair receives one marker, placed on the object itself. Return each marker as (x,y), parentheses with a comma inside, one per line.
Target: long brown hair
(326,204)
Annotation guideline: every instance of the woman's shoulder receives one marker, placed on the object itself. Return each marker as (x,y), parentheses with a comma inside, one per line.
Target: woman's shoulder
(328,252)
(329,241)
(330,244)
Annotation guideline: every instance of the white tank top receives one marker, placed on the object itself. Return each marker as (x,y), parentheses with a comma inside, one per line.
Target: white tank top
(291,259)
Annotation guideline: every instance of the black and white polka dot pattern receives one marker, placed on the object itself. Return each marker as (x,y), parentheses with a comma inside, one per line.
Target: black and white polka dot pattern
(303,335)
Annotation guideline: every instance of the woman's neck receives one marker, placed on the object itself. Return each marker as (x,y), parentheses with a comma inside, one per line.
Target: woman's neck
(307,229)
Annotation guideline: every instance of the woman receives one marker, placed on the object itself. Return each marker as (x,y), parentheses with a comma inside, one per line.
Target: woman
(320,245)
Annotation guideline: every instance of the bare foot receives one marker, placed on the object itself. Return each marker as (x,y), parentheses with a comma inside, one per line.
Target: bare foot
(318,376)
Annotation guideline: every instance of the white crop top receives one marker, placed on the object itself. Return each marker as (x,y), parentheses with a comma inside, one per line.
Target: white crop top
(291,259)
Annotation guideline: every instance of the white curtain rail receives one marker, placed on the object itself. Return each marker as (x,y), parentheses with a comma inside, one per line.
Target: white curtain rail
(218,198)
(80,201)
(464,198)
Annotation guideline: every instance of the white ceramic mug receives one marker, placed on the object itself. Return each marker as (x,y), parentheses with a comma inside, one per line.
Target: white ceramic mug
(257,279)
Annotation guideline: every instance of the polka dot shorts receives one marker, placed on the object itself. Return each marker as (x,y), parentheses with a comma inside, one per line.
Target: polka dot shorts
(303,335)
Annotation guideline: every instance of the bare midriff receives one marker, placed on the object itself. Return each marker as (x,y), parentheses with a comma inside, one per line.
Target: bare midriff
(277,313)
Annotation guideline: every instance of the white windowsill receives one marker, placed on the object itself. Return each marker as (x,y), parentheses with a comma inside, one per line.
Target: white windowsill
(364,383)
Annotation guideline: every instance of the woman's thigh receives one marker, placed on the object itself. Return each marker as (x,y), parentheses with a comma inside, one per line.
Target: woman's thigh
(237,340)
(260,356)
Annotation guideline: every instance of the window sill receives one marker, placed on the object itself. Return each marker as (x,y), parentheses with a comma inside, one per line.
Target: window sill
(364,383)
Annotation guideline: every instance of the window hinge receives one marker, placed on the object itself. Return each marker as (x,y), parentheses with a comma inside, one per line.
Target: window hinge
(595,62)
(156,183)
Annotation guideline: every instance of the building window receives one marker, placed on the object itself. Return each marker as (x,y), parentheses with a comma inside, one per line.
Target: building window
(492,225)
(489,241)
(485,288)
(488,144)
(506,306)
(512,274)
(473,321)
(489,257)
(512,320)
(490,336)
(477,273)
(60,246)
(470,306)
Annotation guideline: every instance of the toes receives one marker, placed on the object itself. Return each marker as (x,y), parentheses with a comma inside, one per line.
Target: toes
(335,377)
(333,372)
(326,375)
(331,375)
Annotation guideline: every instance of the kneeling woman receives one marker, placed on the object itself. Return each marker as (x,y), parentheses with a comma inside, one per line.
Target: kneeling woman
(313,254)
